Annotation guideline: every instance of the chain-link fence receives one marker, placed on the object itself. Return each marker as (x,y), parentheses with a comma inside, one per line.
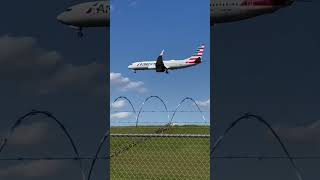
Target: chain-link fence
(169,152)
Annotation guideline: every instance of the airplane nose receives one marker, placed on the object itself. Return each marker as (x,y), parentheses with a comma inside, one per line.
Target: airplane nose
(60,18)
(131,66)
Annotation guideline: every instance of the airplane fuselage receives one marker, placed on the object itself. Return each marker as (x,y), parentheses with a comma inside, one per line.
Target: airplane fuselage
(223,11)
(90,14)
(97,13)
(163,66)
(170,64)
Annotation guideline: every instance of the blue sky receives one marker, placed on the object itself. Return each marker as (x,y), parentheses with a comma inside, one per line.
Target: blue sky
(140,30)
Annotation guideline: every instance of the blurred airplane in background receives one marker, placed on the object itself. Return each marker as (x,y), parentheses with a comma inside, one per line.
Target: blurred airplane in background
(89,14)
(223,11)
(97,13)
(163,66)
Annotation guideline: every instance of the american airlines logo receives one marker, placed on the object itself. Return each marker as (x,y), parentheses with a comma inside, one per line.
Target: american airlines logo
(100,8)
(145,64)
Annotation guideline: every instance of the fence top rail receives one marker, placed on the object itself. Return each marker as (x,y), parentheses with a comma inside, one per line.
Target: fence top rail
(163,135)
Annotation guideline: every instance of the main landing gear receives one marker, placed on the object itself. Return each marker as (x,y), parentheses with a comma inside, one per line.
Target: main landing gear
(80,33)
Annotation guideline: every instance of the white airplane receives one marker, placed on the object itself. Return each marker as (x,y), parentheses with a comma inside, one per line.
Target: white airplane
(89,14)
(223,11)
(163,66)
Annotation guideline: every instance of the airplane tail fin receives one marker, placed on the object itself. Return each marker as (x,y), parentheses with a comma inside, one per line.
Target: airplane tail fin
(160,57)
(196,58)
(160,67)
(161,54)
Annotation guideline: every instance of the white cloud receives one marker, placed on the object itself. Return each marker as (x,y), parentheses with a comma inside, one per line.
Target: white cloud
(33,169)
(300,134)
(85,78)
(119,104)
(22,59)
(132,3)
(36,70)
(29,134)
(120,115)
(117,80)
(205,103)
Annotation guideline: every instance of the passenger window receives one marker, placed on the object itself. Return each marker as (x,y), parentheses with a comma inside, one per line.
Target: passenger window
(89,10)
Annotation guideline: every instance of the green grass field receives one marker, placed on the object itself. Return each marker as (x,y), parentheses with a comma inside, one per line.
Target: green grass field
(169,158)
(188,129)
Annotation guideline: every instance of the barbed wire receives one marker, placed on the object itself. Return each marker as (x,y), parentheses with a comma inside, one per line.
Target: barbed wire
(78,157)
(259,119)
(177,109)
(50,117)
(162,111)
(268,157)
(257,157)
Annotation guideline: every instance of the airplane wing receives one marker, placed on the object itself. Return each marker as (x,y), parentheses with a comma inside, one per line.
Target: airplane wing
(160,67)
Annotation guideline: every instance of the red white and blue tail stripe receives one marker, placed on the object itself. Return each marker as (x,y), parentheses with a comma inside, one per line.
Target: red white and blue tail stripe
(197,56)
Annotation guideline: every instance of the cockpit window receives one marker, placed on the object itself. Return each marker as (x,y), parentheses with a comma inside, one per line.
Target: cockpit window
(69,9)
